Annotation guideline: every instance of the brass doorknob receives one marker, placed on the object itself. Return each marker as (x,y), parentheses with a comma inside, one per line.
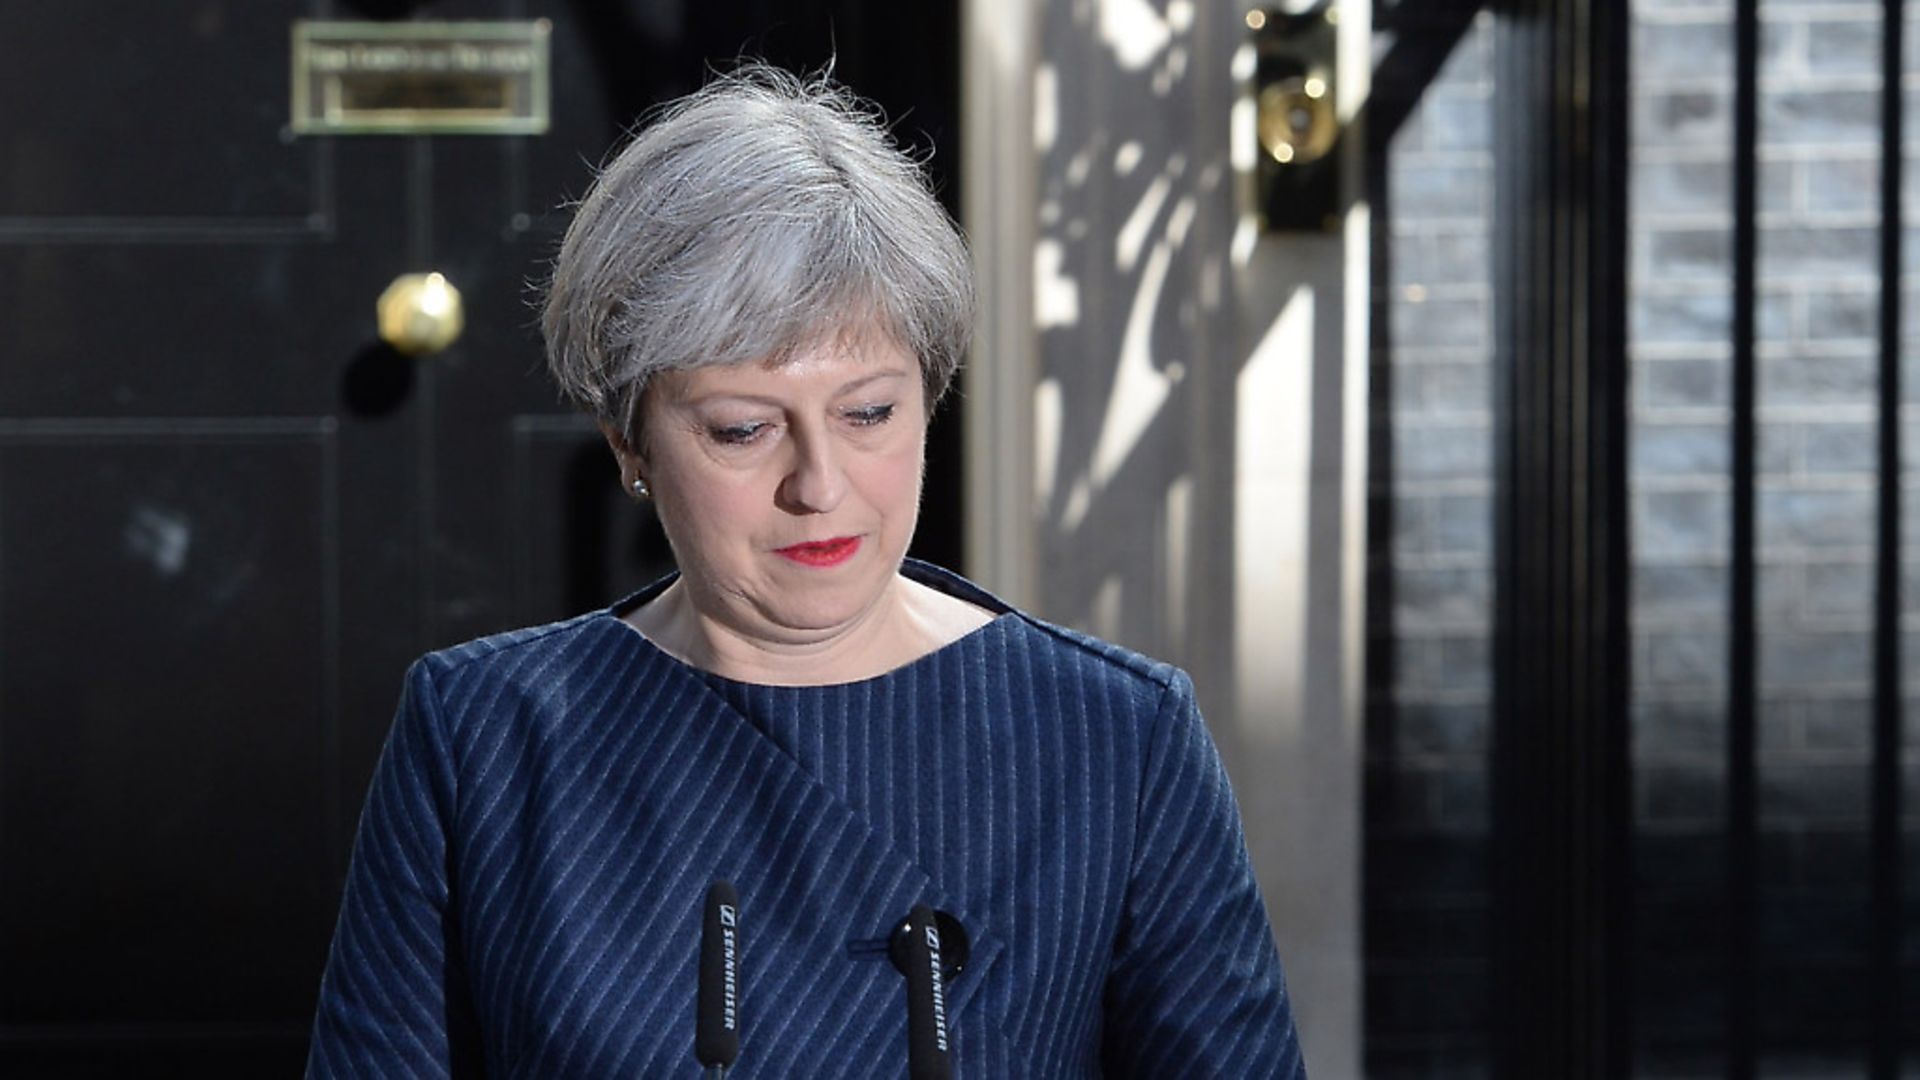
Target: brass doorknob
(420,313)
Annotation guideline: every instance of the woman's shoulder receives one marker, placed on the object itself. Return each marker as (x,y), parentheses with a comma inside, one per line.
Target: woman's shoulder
(1080,654)
(548,655)
(1060,653)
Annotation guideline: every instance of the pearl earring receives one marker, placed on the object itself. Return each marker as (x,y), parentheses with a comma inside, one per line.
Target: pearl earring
(640,489)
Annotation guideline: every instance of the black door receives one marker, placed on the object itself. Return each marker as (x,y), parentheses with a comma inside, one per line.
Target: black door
(228,518)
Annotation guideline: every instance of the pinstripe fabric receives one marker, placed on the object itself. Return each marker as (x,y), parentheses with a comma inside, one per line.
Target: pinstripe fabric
(525,892)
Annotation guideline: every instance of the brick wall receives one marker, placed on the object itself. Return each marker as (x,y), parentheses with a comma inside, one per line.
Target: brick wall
(1817,354)
(1817,359)
(1431,601)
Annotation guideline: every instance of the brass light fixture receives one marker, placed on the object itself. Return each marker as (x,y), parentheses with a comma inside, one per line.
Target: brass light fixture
(1294,88)
(1296,120)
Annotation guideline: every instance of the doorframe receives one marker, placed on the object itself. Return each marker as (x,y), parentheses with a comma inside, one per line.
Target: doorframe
(1000,170)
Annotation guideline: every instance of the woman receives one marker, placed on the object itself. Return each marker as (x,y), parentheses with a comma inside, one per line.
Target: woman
(761,304)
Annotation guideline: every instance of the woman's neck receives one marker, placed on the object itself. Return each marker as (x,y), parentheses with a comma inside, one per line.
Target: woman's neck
(907,622)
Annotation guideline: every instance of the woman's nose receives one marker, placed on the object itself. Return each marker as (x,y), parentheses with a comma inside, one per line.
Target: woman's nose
(817,480)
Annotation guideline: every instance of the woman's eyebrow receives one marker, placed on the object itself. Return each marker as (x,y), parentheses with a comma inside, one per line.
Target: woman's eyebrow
(855,384)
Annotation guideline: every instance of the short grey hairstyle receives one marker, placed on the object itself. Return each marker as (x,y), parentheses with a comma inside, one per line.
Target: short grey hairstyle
(748,220)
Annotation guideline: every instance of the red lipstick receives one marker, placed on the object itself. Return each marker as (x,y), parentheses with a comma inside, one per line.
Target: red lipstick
(822,552)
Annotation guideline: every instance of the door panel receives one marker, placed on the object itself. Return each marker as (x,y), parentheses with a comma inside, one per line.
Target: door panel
(165,805)
(185,328)
(137,116)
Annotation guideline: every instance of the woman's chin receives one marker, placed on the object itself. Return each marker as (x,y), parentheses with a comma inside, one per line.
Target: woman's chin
(822,608)
(809,622)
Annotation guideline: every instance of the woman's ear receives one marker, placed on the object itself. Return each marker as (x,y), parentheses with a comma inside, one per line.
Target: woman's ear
(617,441)
(631,464)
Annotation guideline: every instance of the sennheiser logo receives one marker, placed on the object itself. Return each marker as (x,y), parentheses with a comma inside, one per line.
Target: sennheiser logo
(939,990)
(727,927)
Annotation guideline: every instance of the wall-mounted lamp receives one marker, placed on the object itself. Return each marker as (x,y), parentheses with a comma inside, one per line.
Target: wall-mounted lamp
(1296,176)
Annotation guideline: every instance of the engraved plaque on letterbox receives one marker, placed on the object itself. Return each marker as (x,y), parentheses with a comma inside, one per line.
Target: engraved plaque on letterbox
(420,78)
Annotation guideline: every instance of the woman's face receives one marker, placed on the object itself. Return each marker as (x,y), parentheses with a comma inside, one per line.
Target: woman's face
(789,491)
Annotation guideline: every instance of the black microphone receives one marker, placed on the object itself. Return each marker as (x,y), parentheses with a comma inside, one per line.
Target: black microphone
(928,1057)
(716,1036)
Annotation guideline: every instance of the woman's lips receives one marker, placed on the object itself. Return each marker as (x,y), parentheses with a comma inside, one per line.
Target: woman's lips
(822,552)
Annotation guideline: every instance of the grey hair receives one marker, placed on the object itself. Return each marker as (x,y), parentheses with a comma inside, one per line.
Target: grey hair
(750,219)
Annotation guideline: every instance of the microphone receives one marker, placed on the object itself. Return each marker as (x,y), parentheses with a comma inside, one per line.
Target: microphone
(928,1056)
(716,1037)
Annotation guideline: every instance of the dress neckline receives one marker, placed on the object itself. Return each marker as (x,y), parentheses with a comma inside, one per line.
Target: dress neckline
(924,573)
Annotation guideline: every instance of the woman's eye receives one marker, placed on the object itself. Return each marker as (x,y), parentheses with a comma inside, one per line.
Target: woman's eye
(869,415)
(736,434)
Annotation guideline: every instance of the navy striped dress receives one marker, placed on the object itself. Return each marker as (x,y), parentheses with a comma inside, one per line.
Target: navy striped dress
(525,893)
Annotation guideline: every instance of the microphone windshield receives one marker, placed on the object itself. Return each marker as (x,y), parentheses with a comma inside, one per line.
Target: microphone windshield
(716,1038)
